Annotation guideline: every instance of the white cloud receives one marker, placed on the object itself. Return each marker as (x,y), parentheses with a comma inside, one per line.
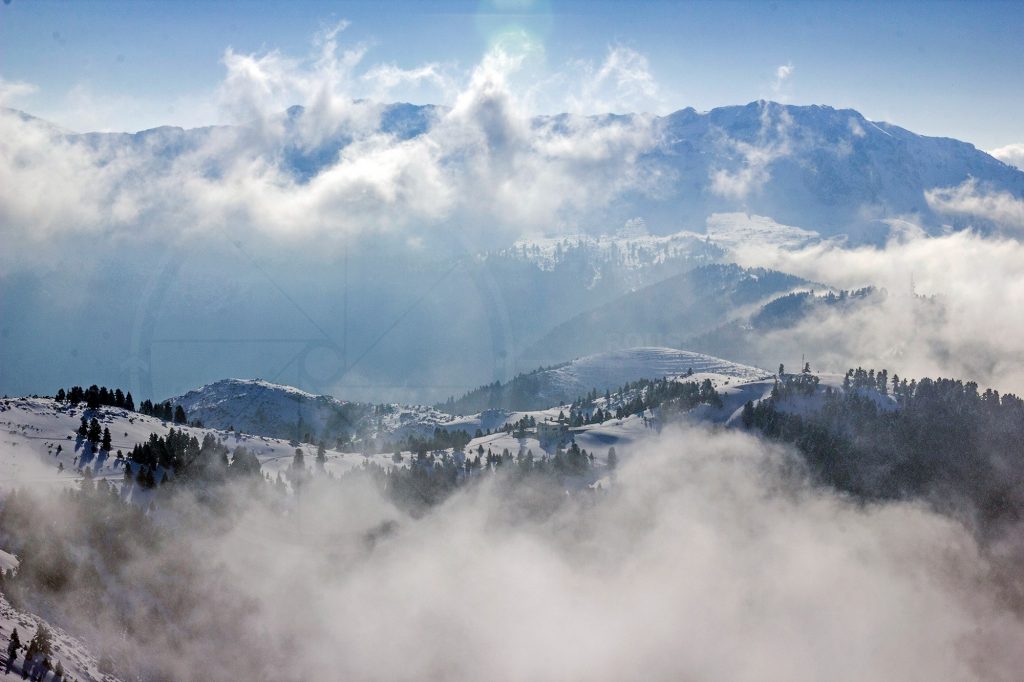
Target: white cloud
(782,75)
(972,200)
(711,557)
(483,167)
(622,83)
(1012,154)
(751,168)
(11,91)
(966,328)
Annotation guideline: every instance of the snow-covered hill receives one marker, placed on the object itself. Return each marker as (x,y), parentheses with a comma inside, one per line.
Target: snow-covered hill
(266,409)
(606,371)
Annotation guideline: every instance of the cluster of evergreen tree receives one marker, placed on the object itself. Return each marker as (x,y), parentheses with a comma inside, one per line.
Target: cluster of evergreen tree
(789,385)
(636,397)
(786,311)
(91,431)
(95,396)
(181,457)
(440,439)
(943,439)
(165,411)
(37,662)
(519,427)
(429,478)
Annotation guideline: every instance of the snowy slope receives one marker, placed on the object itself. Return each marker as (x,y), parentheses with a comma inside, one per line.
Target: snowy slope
(613,369)
(31,429)
(79,663)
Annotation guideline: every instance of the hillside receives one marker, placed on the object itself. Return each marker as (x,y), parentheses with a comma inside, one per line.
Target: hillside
(663,314)
(560,384)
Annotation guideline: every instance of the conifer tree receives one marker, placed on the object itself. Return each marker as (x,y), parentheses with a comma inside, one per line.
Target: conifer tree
(95,432)
(13,645)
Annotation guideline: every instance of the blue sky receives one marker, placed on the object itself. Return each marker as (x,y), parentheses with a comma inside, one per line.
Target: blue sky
(951,69)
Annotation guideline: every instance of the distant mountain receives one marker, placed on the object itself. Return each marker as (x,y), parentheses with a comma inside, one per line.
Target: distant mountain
(265,409)
(663,313)
(830,170)
(560,384)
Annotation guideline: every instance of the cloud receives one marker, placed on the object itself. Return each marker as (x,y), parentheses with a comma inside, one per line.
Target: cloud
(782,75)
(1011,154)
(972,200)
(483,166)
(384,79)
(961,328)
(710,557)
(752,160)
(11,91)
(623,82)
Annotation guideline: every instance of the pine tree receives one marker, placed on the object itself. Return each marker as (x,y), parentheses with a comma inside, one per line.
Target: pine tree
(61,396)
(106,440)
(613,458)
(95,432)
(58,672)
(13,645)
(129,404)
(179,415)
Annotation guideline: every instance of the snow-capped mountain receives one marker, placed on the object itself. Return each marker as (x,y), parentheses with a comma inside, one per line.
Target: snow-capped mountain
(831,170)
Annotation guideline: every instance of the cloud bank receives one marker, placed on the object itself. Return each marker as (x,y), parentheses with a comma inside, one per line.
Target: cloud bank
(711,557)
(1012,154)
(482,166)
(946,308)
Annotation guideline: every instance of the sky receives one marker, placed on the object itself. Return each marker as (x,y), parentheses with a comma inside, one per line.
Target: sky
(941,68)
